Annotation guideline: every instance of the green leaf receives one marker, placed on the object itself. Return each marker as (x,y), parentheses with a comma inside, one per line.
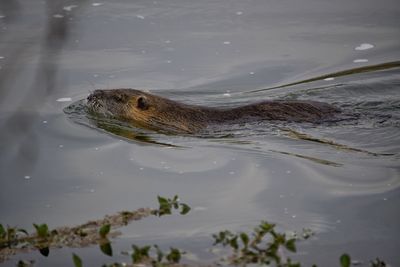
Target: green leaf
(345,260)
(145,251)
(42,230)
(266,227)
(185,209)
(294,265)
(22,263)
(45,251)
(160,254)
(291,245)
(233,243)
(77,261)
(139,254)
(136,255)
(174,256)
(2,231)
(162,201)
(165,206)
(104,230)
(174,202)
(245,239)
(106,249)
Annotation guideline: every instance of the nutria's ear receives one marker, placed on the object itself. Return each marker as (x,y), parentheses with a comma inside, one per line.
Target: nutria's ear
(142,103)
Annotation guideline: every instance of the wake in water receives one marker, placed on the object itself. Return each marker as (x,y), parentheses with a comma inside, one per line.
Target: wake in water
(370,115)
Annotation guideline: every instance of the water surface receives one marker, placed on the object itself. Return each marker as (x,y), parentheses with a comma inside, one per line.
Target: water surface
(340,179)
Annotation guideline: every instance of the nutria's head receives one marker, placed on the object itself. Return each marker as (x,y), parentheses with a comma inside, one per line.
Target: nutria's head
(118,103)
(145,110)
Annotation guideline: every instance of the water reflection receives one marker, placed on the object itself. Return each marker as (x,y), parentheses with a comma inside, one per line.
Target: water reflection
(17,134)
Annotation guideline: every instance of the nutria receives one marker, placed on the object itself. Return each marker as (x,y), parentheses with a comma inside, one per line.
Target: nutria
(157,113)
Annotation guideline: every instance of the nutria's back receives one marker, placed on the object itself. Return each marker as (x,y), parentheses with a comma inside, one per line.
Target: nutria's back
(162,114)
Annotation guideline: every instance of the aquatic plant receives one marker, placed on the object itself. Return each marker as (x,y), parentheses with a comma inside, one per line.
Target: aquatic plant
(15,240)
(263,246)
(254,248)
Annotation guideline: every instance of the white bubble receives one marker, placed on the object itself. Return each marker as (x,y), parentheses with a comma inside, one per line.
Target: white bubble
(44,122)
(97,4)
(227,94)
(64,99)
(140,16)
(239,13)
(92,191)
(361,60)
(251,73)
(58,16)
(60,146)
(364,46)
(27,177)
(2,16)
(329,79)
(1,57)
(199,208)
(69,8)
(227,42)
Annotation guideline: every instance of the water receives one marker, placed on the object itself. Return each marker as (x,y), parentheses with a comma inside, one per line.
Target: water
(341,179)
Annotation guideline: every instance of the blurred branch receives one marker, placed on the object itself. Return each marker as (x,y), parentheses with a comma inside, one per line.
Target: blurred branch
(17,134)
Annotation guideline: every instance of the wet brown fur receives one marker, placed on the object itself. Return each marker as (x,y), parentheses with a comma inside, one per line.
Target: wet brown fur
(154,112)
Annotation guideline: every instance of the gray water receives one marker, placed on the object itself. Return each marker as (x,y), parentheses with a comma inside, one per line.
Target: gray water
(62,170)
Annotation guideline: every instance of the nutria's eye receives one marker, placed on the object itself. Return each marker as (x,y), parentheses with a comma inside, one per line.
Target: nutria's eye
(142,103)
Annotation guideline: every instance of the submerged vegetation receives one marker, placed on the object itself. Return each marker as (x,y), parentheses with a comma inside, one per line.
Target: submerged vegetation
(14,240)
(263,246)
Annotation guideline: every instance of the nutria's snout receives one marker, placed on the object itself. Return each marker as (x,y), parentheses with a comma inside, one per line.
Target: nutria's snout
(95,95)
(97,102)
